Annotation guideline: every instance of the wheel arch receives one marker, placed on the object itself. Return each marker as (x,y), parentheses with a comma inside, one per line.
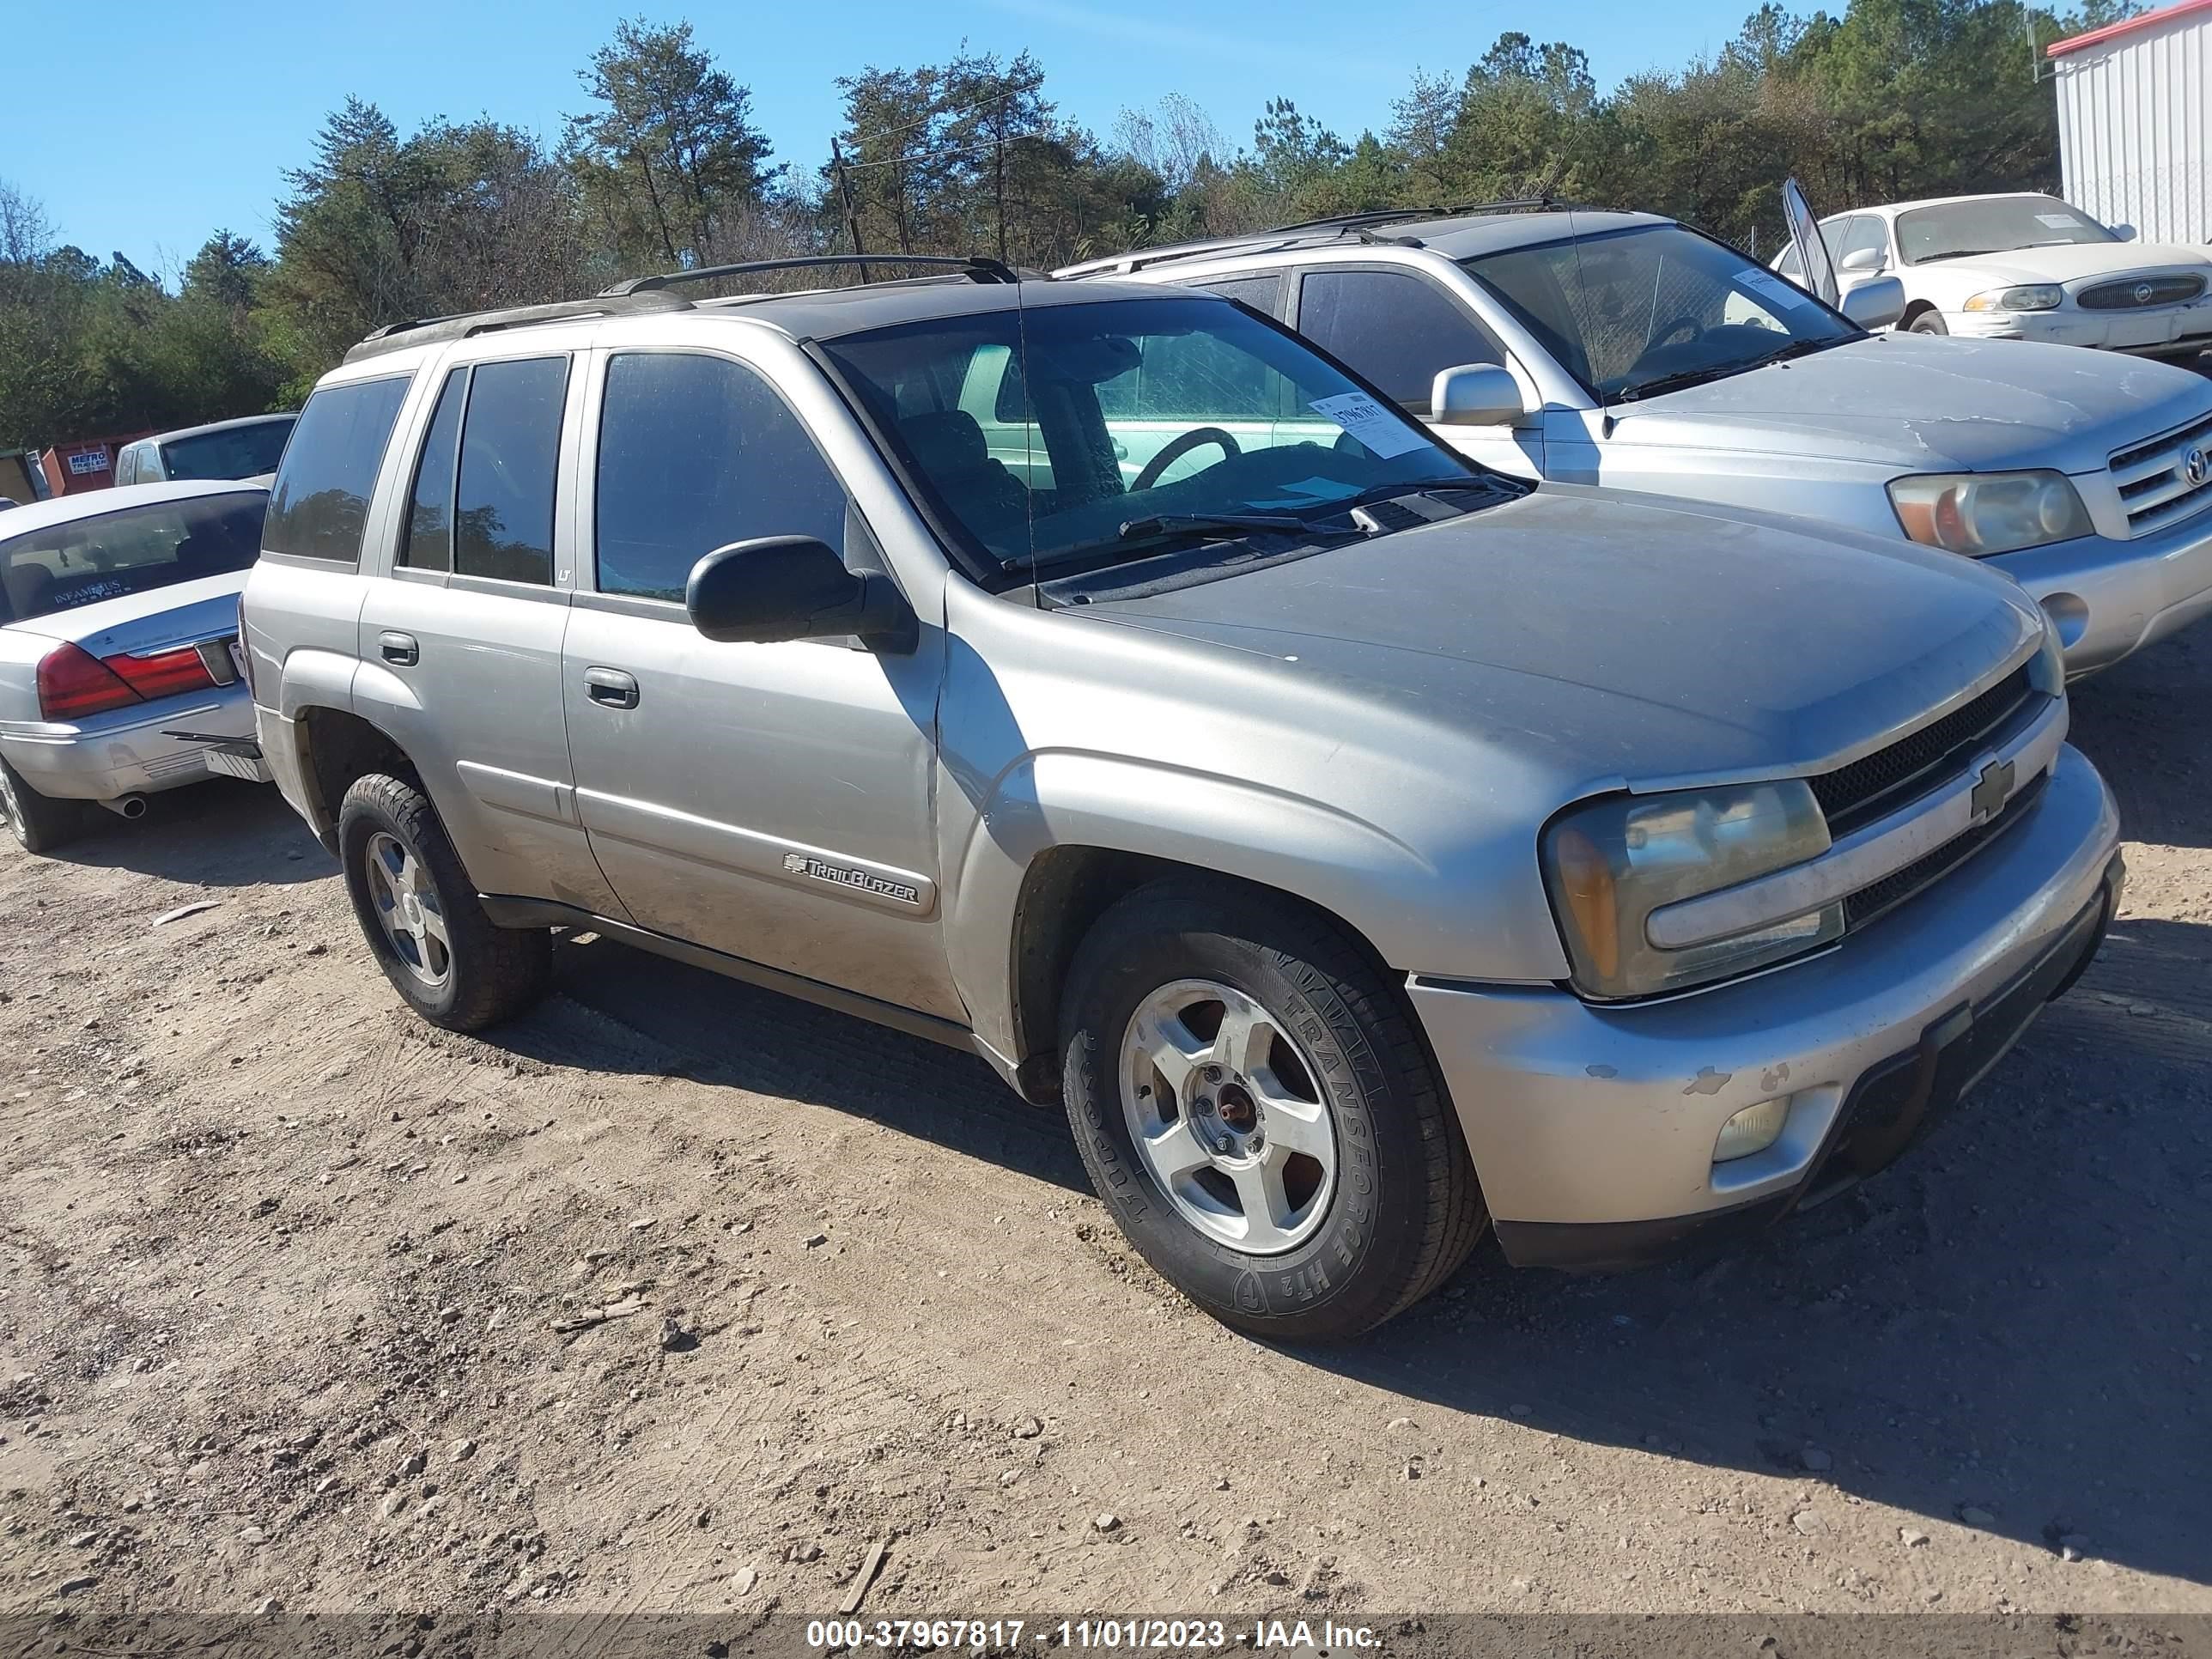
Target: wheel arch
(337,748)
(1063,892)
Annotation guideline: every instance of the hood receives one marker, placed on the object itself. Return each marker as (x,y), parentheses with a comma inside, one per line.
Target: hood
(1918,403)
(1606,640)
(182,613)
(2074,262)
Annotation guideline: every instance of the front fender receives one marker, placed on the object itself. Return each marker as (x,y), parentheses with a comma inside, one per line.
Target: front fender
(1409,910)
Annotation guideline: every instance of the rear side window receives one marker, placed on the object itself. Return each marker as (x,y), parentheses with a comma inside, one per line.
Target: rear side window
(319,504)
(429,543)
(1260,293)
(510,449)
(1394,328)
(695,452)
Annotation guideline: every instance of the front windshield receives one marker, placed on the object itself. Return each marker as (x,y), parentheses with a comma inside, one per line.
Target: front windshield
(235,452)
(1629,310)
(1091,428)
(1992,224)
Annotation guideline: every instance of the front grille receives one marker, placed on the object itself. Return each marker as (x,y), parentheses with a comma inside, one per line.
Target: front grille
(1862,792)
(2140,293)
(2154,478)
(1894,889)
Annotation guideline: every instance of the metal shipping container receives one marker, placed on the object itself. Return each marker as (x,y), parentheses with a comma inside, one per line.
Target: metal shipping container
(2134,122)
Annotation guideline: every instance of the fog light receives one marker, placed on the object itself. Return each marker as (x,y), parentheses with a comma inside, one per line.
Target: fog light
(1754,1129)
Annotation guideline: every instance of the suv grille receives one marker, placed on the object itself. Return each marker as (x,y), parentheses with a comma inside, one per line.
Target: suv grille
(1895,889)
(2136,293)
(2154,478)
(1859,793)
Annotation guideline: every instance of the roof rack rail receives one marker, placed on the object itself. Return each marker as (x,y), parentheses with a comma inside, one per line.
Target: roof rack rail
(976,267)
(1373,216)
(1547,203)
(429,330)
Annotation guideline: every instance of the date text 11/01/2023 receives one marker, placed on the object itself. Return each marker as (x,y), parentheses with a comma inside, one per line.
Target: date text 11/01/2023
(1087,1635)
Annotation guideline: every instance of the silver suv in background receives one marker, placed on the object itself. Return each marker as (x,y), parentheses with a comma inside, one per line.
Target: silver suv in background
(1627,349)
(1363,846)
(248,447)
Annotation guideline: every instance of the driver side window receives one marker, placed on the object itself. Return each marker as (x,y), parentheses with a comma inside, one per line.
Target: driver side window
(695,452)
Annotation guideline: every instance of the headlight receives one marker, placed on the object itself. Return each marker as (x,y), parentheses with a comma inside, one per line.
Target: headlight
(1611,864)
(2034,296)
(2047,674)
(1982,513)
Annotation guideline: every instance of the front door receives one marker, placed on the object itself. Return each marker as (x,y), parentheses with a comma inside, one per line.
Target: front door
(772,802)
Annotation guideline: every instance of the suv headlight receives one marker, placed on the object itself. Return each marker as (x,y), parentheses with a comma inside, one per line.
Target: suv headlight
(2032,297)
(2047,674)
(1978,513)
(1610,864)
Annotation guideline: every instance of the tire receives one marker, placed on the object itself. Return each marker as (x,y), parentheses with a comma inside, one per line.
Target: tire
(1928,322)
(38,822)
(476,975)
(1383,1208)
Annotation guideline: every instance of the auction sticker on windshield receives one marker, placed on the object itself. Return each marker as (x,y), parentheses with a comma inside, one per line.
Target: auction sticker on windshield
(1385,433)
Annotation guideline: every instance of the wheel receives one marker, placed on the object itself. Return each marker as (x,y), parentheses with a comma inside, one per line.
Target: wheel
(39,823)
(419,912)
(1929,322)
(1256,1110)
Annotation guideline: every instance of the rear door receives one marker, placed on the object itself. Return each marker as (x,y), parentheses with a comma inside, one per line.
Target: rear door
(1399,330)
(461,628)
(772,802)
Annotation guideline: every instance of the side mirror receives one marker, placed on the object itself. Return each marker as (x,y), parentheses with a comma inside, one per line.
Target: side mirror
(1476,394)
(2125,233)
(794,588)
(1875,303)
(1862,261)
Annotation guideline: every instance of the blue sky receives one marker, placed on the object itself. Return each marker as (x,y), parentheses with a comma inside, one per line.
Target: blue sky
(144,129)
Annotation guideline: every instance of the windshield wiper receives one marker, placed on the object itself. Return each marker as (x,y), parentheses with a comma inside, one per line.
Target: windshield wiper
(1957,254)
(1676,381)
(1166,530)
(1162,524)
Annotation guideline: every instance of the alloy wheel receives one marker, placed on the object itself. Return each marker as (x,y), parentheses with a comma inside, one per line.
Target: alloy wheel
(1226,1112)
(407,908)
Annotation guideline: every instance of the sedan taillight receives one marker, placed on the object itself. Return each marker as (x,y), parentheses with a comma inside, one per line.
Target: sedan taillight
(73,683)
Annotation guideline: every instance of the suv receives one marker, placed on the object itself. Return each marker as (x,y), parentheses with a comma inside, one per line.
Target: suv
(1363,846)
(1624,349)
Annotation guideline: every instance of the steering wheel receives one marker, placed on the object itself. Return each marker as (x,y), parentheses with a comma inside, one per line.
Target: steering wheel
(1696,328)
(1196,438)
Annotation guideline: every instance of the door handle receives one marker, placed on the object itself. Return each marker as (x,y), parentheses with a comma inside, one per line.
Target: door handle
(401,648)
(610,688)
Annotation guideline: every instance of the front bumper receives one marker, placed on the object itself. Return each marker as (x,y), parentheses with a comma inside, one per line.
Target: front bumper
(1592,1129)
(127,751)
(2165,330)
(2109,598)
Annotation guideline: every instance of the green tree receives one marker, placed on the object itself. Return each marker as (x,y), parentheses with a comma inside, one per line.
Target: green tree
(671,166)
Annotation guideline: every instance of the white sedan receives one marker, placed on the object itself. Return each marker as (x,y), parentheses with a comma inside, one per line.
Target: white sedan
(119,624)
(2025,267)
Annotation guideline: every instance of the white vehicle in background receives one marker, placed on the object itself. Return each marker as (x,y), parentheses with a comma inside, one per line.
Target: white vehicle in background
(118,669)
(2026,267)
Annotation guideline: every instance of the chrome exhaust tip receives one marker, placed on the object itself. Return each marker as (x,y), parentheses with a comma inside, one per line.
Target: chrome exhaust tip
(132,806)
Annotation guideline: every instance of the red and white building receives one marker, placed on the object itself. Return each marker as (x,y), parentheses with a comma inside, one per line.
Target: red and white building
(2134,122)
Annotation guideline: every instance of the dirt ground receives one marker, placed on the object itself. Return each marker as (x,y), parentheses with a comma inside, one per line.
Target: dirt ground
(287,1275)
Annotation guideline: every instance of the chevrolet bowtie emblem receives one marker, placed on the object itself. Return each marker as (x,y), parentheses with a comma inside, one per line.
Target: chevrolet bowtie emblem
(1992,791)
